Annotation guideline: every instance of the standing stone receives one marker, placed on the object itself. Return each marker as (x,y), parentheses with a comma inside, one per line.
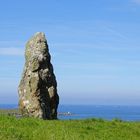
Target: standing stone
(38,87)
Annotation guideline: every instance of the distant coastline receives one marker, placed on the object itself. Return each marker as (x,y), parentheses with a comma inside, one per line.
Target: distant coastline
(66,112)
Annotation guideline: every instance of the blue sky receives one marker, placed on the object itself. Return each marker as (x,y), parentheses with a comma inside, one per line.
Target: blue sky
(95,48)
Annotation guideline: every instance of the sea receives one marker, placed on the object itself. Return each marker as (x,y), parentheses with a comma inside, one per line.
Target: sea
(107,112)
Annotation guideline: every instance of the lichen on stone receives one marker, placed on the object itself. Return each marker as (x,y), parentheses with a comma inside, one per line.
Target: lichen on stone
(38,87)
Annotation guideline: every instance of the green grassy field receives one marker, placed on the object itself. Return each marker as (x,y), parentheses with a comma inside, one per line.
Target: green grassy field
(12,128)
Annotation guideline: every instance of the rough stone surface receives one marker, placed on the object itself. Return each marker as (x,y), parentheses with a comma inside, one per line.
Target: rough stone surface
(38,87)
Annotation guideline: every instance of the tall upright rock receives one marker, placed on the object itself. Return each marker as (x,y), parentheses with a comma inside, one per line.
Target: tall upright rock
(38,87)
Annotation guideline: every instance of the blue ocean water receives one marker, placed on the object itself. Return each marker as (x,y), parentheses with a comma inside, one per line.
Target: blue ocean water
(126,113)
(8,106)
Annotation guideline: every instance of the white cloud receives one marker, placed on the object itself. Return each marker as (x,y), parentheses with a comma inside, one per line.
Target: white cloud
(12,51)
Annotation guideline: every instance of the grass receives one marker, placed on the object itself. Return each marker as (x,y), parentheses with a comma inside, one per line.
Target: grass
(12,128)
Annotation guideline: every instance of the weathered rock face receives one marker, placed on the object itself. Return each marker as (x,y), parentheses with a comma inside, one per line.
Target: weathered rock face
(38,87)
